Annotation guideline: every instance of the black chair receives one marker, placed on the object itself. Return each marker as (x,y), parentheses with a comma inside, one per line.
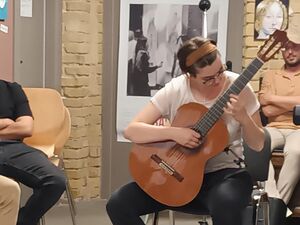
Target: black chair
(257,163)
(296,115)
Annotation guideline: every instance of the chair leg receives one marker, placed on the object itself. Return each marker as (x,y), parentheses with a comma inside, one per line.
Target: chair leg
(71,202)
(43,221)
(146,218)
(171,217)
(155,218)
(203,220)
(70,198)
(262,210)
(72,206)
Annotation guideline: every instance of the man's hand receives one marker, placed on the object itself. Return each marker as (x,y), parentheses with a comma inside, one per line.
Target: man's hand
(5,123)
(265,99)
(186,137)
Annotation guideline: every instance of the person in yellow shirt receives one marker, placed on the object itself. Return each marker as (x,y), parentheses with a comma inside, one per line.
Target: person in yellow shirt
(280,92)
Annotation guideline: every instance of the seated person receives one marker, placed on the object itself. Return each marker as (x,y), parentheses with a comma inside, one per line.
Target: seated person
(9,201)
(23,163)
(280,92)
(226,189)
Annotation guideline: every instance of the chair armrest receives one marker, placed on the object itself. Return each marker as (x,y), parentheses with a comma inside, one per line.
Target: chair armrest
(296,115)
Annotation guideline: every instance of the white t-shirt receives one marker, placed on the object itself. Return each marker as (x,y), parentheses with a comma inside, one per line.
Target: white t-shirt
(178,92)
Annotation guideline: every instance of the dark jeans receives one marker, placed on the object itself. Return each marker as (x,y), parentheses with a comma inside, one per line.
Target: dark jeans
(224,195)
(32,168)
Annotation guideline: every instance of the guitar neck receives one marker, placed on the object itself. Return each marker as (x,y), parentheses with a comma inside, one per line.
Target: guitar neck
(216,111)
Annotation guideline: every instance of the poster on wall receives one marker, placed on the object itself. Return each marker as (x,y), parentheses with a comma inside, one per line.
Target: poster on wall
(151,32)
(269,16)
(3,9)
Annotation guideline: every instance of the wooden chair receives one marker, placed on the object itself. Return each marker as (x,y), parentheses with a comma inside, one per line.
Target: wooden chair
(52,126)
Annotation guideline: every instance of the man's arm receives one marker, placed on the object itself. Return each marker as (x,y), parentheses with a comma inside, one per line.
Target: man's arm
(285,102)
(19,129)
(272,110)
(5,122)
(274,105)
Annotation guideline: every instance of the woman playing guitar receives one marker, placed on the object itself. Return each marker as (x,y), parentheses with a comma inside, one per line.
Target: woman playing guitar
(226,186)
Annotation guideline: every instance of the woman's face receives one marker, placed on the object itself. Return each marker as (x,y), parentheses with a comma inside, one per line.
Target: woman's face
(273,19)
(211,77)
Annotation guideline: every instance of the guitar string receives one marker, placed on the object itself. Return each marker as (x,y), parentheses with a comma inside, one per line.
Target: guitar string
(217,109)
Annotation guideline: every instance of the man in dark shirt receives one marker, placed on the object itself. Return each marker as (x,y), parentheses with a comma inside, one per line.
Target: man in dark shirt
(24,163)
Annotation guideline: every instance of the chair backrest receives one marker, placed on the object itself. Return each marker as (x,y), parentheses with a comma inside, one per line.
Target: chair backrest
(257,163)
(51,120)
(296,115)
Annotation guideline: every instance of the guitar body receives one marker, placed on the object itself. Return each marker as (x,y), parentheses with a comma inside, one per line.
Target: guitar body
(171,173)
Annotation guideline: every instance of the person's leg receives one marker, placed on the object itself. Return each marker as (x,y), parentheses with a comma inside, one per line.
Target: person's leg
(32,168)
(277,141)
(227,200)
(9,201)
(290,173)
(224,195)
(128,203)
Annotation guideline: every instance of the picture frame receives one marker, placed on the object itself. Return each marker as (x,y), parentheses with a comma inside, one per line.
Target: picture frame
(269,16)
(161,26)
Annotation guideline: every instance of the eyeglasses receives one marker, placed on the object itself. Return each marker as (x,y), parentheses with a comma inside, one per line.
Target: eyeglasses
(209,81)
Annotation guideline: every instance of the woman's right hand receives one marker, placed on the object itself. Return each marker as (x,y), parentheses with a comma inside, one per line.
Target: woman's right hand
(186,137)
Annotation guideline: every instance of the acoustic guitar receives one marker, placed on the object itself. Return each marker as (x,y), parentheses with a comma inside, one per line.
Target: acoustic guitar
(173,174)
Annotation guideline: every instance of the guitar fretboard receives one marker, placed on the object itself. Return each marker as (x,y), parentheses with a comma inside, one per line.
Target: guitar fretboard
(216,111)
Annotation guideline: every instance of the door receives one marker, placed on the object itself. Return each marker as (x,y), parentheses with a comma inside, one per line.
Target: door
(37,45)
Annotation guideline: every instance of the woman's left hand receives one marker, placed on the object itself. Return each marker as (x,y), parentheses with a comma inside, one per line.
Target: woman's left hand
(236,108)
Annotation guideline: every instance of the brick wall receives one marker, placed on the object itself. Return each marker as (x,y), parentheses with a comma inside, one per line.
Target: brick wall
(81,86)
(251,46)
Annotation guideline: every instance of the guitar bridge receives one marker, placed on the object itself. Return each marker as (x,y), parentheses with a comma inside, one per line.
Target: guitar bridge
(167,168)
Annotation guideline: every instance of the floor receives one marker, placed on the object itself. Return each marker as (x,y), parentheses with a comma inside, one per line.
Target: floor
(93,213)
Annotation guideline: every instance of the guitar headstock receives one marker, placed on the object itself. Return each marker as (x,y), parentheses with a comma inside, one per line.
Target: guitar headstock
(272,45)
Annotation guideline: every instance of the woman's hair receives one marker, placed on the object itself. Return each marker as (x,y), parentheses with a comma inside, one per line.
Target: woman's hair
(261,10)
(141,44)
(191,46)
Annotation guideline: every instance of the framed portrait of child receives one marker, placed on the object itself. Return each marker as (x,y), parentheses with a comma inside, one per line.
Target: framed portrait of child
(270,15)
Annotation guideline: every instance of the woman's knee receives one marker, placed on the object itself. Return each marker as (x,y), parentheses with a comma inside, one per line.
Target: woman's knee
(113,205)
(234,194)
(118,203)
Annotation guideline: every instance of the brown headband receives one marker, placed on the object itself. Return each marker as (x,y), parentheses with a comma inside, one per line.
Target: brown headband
(206,48)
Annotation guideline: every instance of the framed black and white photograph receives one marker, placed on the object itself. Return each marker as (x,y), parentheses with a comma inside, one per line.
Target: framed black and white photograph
(151,32)
(269,16)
